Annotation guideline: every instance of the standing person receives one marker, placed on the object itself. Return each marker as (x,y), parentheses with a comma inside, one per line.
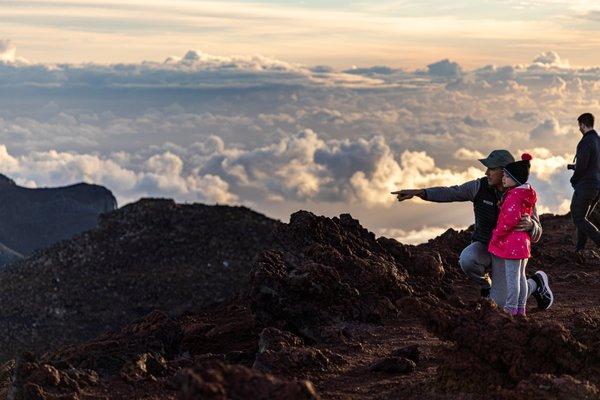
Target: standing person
(586,182)
(485,193)
(510,247)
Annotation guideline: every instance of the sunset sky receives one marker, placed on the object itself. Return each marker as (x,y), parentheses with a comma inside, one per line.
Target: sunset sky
(401,33)
(287,105)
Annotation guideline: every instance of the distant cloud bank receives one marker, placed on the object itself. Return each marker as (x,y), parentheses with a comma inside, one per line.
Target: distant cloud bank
(258,131)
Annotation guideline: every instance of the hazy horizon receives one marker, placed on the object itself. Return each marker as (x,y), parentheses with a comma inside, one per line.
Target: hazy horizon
(340,34)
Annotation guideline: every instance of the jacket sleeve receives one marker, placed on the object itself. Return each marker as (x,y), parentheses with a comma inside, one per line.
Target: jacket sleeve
(445,194)
(536,232)
(510,215)
(582,160)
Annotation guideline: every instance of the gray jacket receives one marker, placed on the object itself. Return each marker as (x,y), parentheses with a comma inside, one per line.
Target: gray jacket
(467,192)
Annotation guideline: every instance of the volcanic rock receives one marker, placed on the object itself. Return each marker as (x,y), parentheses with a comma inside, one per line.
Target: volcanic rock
(126,350)
(410,352)
(517,348)
(331,270)
(551,387)
(272,339)
(7,371)
(283,353)
(427,265)
(219,381)
(42,381)
(145,366)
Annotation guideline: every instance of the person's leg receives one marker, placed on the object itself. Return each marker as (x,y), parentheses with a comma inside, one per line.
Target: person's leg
(498,291)
(512,269)
(537,286)
(473,261)
(581,206)
(578,213)
(532,286)
(593,205)
(521,307)
(589,212)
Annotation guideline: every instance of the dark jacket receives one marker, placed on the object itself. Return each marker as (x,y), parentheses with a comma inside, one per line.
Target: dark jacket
(485,200)
(587,165)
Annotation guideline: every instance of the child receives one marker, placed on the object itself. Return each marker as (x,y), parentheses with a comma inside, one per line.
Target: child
(514,247)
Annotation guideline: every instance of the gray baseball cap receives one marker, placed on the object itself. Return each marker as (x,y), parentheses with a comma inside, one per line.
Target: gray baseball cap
(497,158)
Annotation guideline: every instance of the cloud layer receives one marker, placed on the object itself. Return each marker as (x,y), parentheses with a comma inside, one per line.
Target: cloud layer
(276,135)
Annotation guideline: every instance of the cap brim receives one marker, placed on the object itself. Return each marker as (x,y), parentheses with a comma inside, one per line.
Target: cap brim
(487,163)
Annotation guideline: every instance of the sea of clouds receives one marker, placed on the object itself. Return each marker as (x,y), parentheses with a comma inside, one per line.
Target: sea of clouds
(279,136)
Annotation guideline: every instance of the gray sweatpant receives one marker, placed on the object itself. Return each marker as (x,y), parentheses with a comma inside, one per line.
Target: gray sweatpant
(475,259)
(516,283)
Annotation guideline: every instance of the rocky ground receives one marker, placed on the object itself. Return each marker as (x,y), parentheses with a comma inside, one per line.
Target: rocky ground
(153,254)
(329,311)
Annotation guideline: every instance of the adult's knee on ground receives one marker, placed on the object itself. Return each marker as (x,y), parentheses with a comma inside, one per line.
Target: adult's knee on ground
(468,261)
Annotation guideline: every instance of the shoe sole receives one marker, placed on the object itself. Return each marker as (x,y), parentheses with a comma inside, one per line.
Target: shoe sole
(544,277)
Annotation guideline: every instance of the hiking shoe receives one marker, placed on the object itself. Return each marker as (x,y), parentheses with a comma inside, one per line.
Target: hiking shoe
(485,293)
(542,294)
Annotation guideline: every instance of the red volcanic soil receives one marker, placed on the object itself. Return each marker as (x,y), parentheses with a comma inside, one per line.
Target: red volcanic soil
(330,311)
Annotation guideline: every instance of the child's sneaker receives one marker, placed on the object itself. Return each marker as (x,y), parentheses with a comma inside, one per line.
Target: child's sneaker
(521,312)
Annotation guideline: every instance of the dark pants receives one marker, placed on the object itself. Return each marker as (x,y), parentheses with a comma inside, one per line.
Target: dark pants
(582,205)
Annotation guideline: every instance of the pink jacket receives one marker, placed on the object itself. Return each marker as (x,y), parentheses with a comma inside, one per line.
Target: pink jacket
(505,242)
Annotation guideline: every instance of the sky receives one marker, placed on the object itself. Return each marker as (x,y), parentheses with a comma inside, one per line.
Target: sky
(398,33)
(286,105)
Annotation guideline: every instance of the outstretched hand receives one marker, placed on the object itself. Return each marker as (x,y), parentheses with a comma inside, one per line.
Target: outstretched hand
(408,194)
(525,224)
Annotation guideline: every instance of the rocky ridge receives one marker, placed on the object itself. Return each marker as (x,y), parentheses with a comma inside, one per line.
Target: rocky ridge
(34,218)
(153,254)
